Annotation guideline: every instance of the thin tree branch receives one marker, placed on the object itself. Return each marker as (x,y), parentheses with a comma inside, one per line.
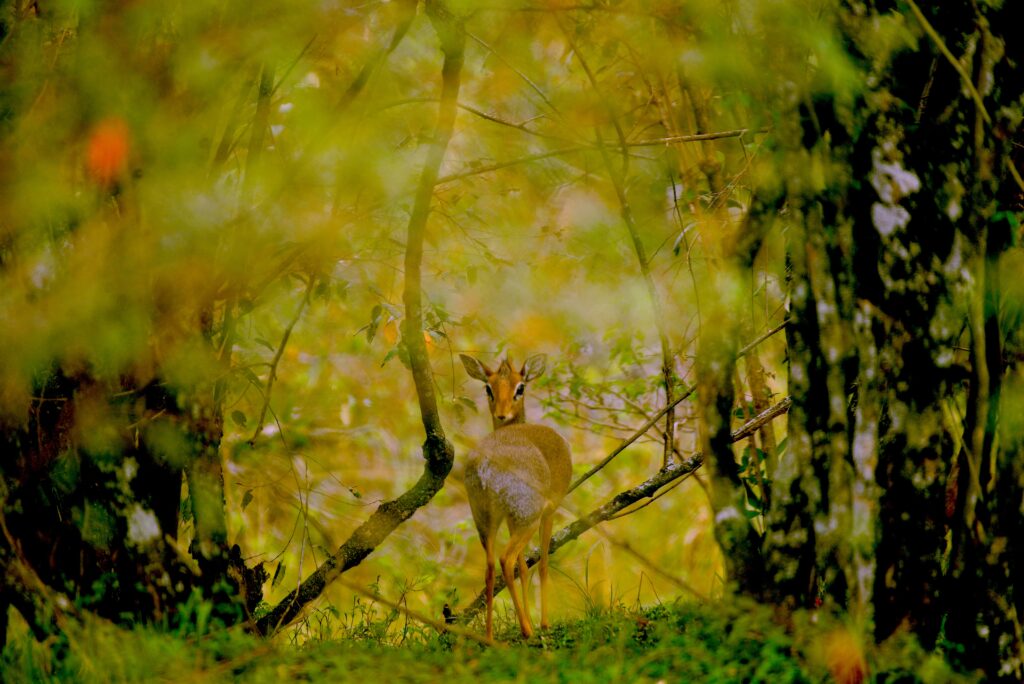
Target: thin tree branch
(628,548)
(629,440)
(441,627)
(526,79)
(747,349)
(654,419)
(697,137)
(619,180)
(512,162)
(953,61)
(437,451)
(655,142)
(272,374)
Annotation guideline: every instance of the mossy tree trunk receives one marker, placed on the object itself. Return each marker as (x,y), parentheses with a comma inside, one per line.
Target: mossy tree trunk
(902,341)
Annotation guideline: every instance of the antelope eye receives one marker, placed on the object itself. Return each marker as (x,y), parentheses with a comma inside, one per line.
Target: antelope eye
(490,392)
(520,388)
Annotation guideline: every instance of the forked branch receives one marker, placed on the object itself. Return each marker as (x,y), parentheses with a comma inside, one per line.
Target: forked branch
(437,451)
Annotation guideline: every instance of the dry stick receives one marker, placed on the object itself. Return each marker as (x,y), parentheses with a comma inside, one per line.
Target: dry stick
(746,350)
(587,148)
(645,489)
(628,548)
(696,137)
(650,423)
(437,451)
(629,440)
(619,179)
(277,359)
(953,61)
(964,77)
(441,627)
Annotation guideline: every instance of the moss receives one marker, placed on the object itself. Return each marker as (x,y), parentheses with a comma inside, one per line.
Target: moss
(724,642)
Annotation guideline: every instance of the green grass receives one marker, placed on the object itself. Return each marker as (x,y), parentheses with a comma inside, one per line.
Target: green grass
(726,642)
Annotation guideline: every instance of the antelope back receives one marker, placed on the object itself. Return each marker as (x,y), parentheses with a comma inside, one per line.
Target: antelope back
(534,455)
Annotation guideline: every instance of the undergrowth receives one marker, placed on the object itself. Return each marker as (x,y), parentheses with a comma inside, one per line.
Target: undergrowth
(724,642)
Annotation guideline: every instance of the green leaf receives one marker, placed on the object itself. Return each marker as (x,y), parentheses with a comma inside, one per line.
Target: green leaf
(239,418)
(371,329)
(250,376)
(263,342)
(246,499)
(278,575)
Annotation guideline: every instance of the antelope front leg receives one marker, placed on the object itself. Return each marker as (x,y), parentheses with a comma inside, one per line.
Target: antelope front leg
(489,550)
(508,563)
(524,582)
(546,521)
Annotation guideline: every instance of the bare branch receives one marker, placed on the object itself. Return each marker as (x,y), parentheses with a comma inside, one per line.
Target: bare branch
(655,142)
(629,440)
(747,349)
(272,375)
(619,179)
(437,451)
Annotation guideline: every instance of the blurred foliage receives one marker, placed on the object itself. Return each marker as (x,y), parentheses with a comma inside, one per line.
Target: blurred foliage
(211,198)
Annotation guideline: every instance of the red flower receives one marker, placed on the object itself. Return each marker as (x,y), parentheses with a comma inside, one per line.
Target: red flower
(107,152)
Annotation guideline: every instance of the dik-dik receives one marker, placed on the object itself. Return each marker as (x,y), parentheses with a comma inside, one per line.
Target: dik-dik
(518,475)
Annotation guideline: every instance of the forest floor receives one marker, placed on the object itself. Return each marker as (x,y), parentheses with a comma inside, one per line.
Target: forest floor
(726,642)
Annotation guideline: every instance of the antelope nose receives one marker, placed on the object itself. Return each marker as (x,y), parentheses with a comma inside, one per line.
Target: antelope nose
(501,417)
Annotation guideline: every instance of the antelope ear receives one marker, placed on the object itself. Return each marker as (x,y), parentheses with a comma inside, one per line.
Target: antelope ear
(534,367)
(476,370)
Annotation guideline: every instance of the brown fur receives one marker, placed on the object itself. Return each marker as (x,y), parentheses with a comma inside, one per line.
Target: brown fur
(517,475)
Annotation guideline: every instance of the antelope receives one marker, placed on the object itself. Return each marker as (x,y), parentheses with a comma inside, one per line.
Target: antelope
(518,475)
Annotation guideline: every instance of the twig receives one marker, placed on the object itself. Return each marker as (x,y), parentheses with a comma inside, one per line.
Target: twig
(941,44)
(697,137)
(628,548)
(441,627)
(586,148)
(649,501)
(277,359)
(511,162)
(629,440)
(502,122)
(747,349)
(437,451)
(619,180)
(519,73)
